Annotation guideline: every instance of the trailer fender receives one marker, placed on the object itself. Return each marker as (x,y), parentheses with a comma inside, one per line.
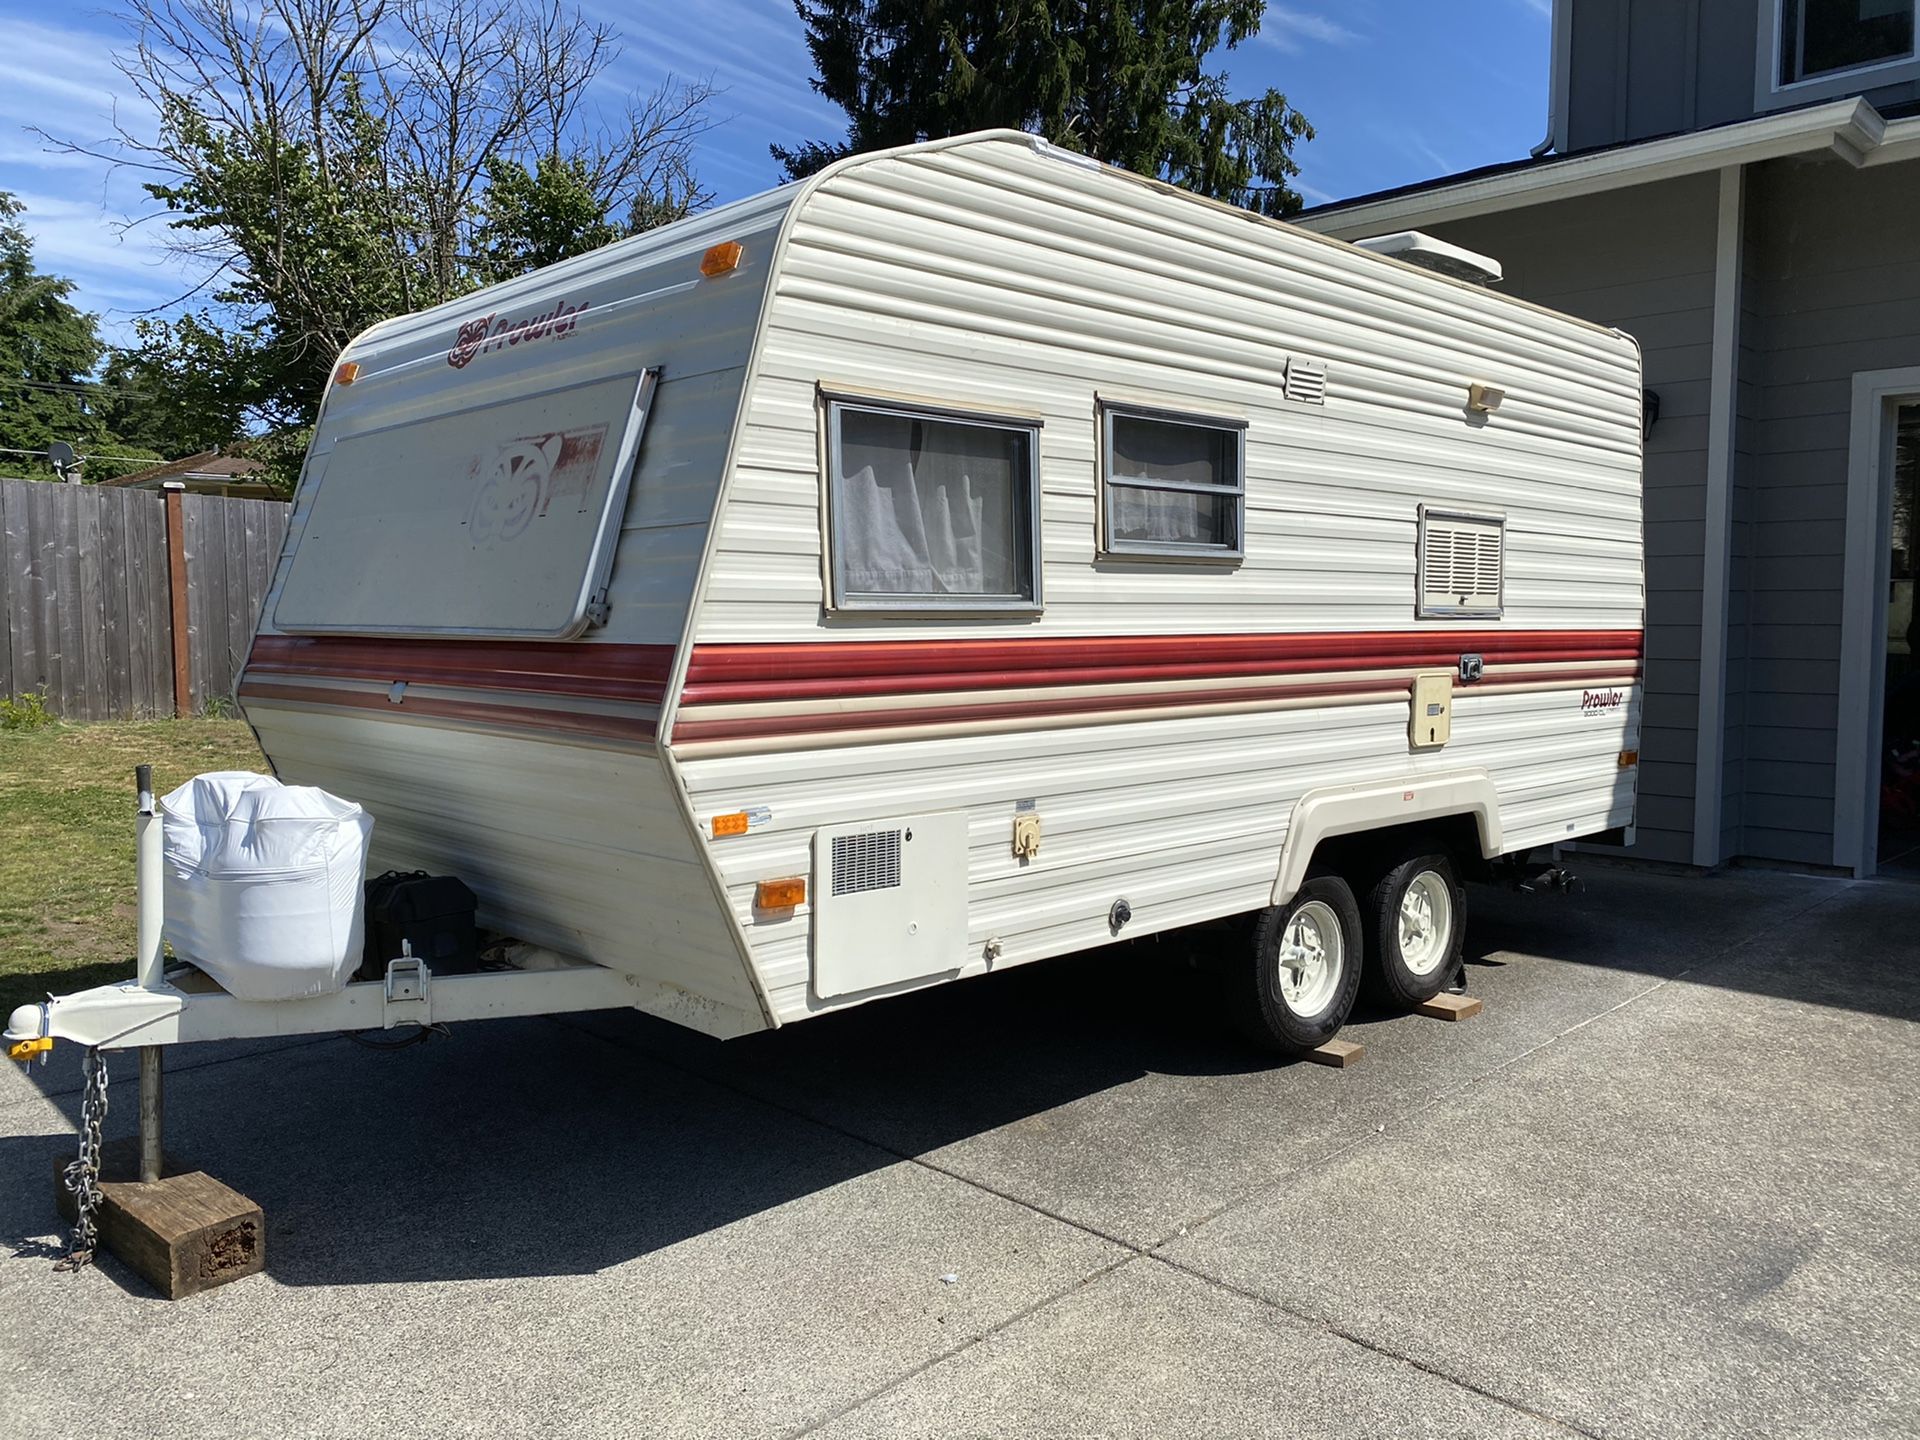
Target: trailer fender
(1379,804)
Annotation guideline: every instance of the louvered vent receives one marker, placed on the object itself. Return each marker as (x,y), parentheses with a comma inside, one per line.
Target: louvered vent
(1306,382)
(869,861)
(1460,563)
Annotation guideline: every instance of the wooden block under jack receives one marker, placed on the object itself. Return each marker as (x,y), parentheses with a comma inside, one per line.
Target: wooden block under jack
(1337,1053)
(1449,1007)
(183,1233)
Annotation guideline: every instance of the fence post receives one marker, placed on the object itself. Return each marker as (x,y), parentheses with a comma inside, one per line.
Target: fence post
(177,595)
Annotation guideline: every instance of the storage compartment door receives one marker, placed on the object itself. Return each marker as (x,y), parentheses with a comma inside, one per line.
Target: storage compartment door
(890,902)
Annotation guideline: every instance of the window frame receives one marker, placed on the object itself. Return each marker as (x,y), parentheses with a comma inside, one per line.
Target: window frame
(833,402)
(1107,409)
(1421,609)
(1770,92)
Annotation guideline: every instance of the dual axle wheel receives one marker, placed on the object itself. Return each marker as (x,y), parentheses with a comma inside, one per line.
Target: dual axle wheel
(1306,967)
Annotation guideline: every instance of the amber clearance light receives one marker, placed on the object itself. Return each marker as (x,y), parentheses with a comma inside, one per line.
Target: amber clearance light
(721,258)
(780,894)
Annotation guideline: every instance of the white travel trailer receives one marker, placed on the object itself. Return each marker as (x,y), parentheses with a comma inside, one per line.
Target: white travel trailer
(967,555)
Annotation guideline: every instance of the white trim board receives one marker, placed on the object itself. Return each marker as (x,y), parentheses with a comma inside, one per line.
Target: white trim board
(1856,770)
(1852,129)
(1723,398)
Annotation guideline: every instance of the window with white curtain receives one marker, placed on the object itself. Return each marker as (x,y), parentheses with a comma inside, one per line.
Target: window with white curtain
(1172,485)
(932,510)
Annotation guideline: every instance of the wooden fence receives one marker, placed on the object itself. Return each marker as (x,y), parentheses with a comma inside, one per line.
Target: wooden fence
(94,581)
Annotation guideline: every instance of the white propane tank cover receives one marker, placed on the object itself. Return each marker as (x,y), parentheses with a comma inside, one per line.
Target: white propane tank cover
(1417,248)
(264,883)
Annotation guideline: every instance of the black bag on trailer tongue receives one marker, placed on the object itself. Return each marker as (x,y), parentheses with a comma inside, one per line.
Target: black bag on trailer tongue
(432,913)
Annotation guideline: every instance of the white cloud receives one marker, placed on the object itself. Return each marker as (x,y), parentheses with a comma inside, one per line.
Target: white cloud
(1292,30)
(1542,8)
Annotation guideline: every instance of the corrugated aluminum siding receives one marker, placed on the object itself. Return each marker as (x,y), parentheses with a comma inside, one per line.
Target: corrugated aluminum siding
(989,275)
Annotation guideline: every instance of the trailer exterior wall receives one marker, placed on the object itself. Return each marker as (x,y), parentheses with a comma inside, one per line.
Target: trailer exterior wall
(989,275)
(531,770)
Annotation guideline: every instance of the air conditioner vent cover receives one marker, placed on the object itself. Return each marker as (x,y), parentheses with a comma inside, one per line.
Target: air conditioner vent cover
(866,861)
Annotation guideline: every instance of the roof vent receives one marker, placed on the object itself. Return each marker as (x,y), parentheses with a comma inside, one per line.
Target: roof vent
(1436,255)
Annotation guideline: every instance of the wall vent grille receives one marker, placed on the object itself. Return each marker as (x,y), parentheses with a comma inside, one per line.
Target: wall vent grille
(1306,381)
(867,861)
(1461,563)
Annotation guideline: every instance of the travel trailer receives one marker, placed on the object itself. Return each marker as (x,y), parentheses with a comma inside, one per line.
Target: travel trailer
(968,555)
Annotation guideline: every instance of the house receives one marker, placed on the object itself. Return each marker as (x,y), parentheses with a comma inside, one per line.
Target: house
(1737,184)
(208,473)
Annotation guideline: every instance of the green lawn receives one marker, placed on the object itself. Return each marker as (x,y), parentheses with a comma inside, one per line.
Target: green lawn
(66,842)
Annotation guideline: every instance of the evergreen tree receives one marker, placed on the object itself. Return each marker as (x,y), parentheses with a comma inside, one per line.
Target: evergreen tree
(48,349)
(1125,81)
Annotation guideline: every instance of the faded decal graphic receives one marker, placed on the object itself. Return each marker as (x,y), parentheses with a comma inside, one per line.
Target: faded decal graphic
(485,334)
(527,475)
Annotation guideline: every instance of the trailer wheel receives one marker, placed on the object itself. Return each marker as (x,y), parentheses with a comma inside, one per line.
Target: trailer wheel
(1304,971)
(1415,919)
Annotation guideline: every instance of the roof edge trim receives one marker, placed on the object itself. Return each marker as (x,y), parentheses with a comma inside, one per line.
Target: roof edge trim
(1851,128)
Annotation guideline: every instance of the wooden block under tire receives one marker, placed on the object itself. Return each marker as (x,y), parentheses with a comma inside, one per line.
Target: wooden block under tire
(1337,1053)
(1449,1007)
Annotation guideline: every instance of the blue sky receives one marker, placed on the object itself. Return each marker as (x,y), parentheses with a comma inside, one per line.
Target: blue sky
(1399,90)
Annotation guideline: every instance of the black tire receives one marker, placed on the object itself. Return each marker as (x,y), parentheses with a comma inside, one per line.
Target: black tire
(1403,977)
(1261,1003)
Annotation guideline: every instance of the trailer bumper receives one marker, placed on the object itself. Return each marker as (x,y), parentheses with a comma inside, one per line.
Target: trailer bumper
(128,1015)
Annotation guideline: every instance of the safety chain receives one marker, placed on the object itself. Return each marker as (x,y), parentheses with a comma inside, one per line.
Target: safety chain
(83,1174)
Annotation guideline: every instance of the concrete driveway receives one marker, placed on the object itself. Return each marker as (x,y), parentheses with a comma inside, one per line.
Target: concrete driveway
(1667,1184)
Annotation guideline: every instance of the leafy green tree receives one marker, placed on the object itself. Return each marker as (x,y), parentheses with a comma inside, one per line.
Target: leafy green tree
(188,385)
(48,349)
(1124,81)
(327,164)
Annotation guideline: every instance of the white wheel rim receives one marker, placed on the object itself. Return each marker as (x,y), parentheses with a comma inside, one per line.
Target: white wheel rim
(1313,956)
(1426,922)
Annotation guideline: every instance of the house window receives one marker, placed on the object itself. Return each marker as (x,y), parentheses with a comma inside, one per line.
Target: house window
(1172,485)
(1462,563)
(1819,38)
(932,509)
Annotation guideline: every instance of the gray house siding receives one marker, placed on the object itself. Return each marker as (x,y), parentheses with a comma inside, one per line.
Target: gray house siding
(1642,68)
(1830,286)
(1834,288)
(1570,255)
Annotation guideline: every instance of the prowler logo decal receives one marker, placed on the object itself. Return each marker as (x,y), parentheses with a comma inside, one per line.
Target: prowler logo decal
(1596,700)
(484,334)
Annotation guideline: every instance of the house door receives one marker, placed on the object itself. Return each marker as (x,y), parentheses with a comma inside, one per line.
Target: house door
(1899,790)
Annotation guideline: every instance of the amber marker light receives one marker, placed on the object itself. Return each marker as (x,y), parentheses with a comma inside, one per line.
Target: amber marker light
(345,373)
(733,824)
(1629,758)
(780,894)
(721,258)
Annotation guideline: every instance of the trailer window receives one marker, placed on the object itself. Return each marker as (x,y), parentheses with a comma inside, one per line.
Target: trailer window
(495,520)
(931,510)
(1172,485)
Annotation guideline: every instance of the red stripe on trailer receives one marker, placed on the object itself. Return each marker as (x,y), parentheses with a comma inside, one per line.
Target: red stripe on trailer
(592,670)
(828,670)
(631,729)
(766,726)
